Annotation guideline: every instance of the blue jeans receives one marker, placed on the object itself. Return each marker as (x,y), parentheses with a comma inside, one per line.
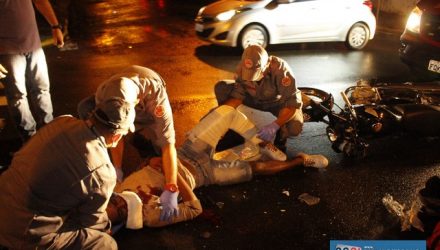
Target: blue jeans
(27,76)
(209,171)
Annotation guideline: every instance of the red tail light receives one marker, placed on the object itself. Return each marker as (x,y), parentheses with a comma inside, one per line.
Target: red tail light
(369,4)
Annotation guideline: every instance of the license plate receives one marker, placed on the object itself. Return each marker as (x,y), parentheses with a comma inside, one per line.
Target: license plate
(199,27)
(434,66)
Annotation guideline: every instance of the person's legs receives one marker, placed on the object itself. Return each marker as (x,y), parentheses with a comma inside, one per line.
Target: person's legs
(291,129)
(39,86)
(272,167)
(85,239)
(16,94)
(294,126)
(213,126)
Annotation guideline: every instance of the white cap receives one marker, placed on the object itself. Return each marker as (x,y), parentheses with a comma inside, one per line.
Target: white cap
(117,86)
(253,62)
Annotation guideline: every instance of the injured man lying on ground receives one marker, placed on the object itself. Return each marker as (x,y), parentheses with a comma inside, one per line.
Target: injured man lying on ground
(136,199)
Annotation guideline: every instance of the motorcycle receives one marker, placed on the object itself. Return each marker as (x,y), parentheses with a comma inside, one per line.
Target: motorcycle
(374,111)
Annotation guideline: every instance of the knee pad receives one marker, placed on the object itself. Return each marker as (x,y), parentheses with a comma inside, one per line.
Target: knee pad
(213,126)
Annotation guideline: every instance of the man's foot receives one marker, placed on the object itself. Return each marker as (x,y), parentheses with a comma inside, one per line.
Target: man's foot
(273,152)
(314,161)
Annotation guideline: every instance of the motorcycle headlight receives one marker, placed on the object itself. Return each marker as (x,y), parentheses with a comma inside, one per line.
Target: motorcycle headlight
(225,16)
(413,23)
(376,127)
(331,134)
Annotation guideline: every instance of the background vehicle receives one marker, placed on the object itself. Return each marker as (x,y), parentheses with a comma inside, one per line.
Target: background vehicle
(241,22)
(421,40)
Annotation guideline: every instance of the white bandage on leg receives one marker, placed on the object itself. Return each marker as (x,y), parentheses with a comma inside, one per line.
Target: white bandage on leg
(213,126)
(134,207)
(243,126)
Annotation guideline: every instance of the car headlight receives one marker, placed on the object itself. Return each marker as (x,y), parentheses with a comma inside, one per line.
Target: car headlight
(413,23)
(225,16)
(201,11)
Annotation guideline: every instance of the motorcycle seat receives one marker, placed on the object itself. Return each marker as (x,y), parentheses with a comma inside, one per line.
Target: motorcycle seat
(420,118)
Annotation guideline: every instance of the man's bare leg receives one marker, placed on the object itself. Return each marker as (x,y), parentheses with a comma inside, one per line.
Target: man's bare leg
(271,167)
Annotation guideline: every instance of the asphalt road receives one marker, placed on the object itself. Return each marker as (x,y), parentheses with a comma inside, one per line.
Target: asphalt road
(259,214)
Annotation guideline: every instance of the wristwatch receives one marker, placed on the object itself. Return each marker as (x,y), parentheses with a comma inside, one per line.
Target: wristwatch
(57,26)
(171,187)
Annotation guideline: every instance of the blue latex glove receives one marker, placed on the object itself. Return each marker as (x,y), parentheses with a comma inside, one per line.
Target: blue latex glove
(268,132)
(168,200)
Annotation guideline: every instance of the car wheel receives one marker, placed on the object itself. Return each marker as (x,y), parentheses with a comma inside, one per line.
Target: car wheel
(357,36)
(253,34)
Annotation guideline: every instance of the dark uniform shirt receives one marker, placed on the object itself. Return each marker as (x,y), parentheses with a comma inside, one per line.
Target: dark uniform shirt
(62,178)
(275,91)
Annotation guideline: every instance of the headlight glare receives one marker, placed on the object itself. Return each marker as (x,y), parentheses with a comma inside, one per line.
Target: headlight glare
(225,16)
(413,23)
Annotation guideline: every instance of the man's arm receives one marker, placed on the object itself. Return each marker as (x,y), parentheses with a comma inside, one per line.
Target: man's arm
(284,115)
(268,132)
(168,198)
(45,8)
(169,161)
(188,209)
(92,213)
(185,190)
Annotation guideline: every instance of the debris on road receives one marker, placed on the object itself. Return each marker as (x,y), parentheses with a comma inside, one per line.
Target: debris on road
(397,209)
(309,199)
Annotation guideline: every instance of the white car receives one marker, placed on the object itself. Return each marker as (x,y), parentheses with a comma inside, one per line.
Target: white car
(238,23)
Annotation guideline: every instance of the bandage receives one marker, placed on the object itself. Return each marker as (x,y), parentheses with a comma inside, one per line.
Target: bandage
(243,126)
(134,210)
(213,126)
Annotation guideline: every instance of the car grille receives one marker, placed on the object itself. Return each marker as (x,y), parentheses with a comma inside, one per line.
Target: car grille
(431,26)
(205,33)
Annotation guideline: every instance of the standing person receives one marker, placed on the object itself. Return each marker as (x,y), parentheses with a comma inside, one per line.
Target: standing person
(266,83)
(21,54)
(154,122)
(56,190)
